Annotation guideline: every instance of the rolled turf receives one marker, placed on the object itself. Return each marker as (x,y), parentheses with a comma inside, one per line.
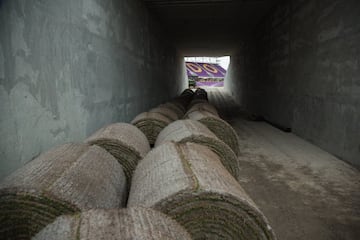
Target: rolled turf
(130,223)
(66,179)
(204,106)
(185,98)
(166,111)
(221,128)
(200,94)
(180,104)
(188,93)
(188,182)
(151,124)
(125,142)
(194,131)
(178,108)
(196,101)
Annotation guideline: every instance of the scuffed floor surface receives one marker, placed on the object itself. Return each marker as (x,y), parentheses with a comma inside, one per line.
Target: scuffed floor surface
(305,192)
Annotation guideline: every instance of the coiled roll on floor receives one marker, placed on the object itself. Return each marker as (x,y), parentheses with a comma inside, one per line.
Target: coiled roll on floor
(188,182)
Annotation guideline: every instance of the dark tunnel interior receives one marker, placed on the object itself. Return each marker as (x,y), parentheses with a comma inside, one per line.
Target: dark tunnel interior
(69,67)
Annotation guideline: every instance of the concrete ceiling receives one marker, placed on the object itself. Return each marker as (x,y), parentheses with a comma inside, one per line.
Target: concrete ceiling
(209,27)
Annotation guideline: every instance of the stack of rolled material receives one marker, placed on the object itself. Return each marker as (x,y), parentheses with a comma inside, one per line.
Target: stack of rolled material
(178,108)
(219,127)
(179,103)
(153,121)
(194,131)
(66,179)
(188,93)
(200,94)
(130,223)
(151,124)
(185,98)
(197,101)
(125,142)
(166,111)
(205,106)
(188,182)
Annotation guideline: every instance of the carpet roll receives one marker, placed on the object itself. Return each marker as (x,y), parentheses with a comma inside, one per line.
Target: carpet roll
(204,106)
(130,223)
(188,182)
(166,111)
(194,131)
(64,180)
(221,128)
(151,124)
(125,142)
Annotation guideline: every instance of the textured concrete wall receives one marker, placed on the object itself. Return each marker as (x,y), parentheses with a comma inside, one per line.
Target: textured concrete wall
(307,72)
(69,67)
(242,80)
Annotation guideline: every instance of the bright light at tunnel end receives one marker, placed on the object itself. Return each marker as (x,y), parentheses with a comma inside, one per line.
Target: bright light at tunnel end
(223,61)
(206,71)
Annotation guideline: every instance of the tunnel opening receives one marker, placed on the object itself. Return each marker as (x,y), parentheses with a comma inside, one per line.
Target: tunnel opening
(205,72)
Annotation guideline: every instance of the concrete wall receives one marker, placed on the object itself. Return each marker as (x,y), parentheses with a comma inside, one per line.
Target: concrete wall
(241,80)
(69,67)
(307,71)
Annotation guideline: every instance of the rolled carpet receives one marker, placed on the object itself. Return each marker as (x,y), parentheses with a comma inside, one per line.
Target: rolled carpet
(151,124)
(125,142)
(189,183)
(115,224)
(221,128)
(194,131)
(204,106)
(166,111)
(66,179)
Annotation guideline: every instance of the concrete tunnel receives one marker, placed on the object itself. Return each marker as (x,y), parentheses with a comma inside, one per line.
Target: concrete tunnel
(67,68)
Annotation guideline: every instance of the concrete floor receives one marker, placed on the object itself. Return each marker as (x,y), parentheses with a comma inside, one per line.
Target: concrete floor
(305,192)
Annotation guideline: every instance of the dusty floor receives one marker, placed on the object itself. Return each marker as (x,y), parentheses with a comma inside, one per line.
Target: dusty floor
(305,192)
